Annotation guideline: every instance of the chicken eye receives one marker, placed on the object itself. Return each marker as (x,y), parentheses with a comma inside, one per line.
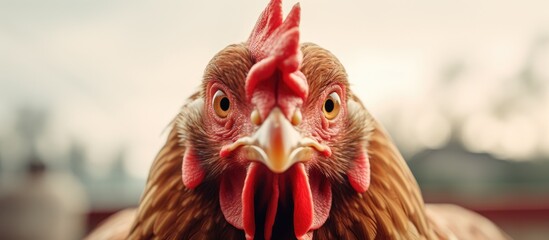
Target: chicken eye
(221,104)
(331,106)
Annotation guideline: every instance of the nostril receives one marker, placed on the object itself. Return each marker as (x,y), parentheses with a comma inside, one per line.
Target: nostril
(256,118)
(297,117)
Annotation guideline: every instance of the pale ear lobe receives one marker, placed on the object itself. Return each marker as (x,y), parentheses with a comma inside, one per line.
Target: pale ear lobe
(192,173)
(359,173)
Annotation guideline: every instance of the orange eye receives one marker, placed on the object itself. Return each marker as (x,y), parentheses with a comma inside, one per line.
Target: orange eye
(221,104)
(331,106)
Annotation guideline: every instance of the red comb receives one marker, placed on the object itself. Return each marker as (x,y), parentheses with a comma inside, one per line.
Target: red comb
(274,44)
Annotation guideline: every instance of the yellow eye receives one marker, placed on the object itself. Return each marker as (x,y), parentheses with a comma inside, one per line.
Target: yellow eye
(221,104)
(331,106)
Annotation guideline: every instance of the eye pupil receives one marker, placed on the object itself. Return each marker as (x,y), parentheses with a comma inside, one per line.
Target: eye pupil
(329,105)
(225,104)
(332,105)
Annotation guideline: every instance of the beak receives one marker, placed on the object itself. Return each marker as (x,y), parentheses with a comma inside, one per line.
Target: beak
(279,139)
(277,144)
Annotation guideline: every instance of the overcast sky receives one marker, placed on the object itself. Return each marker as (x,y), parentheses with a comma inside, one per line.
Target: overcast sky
(114,73)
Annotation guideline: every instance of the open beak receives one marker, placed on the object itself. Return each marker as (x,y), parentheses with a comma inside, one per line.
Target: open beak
(277,144)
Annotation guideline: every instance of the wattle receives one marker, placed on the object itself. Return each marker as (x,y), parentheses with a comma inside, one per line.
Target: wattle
(257,196)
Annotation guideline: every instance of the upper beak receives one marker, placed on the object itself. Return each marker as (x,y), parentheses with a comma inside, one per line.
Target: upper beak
(277,144)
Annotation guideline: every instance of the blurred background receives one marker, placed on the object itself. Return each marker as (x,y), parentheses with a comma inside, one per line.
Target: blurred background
(87,89)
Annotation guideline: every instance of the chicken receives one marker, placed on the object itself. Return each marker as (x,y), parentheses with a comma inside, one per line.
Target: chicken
(275,145)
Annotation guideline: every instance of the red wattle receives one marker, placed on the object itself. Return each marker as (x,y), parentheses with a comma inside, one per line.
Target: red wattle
(321,191)
(303,201)
(312,201)
(244,195)
(271,208)
(230,196)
